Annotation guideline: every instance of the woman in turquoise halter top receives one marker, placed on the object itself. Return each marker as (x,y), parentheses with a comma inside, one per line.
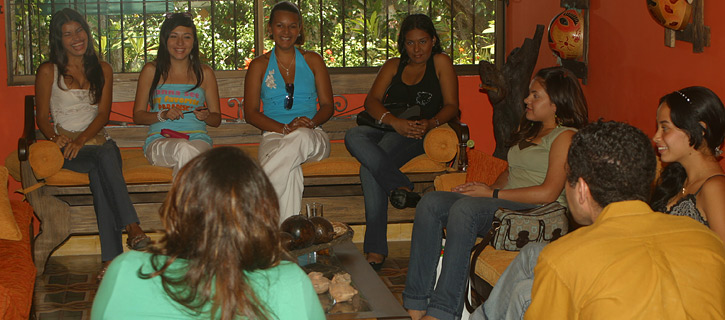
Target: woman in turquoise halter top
(282,91)
(177,96)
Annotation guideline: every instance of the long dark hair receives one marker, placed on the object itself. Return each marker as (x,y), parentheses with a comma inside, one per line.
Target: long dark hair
(289,7)
(163,59)
(221,215)
(689,107)
(564,91)
(91,64)
(421,22)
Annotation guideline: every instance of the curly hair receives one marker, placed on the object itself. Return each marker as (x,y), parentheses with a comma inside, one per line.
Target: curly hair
(689,109)
(289,7)
(565,93)
(163,58)
(615,159)
(221,216)
(421,22)
(91,64)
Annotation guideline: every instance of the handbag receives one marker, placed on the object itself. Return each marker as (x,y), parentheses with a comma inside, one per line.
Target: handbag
(97,140)
(398,109)
(511,230)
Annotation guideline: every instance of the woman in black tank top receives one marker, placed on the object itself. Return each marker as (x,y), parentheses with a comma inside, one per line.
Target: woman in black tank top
(690,131)
(422,76)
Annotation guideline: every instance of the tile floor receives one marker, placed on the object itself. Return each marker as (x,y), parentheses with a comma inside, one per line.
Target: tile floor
(66,290)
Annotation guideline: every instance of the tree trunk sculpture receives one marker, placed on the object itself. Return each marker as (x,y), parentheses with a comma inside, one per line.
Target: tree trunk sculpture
(508,87)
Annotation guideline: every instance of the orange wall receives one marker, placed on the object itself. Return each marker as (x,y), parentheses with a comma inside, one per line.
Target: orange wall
(630,68)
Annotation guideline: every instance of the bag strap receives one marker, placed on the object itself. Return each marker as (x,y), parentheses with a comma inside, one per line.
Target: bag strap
(477,249)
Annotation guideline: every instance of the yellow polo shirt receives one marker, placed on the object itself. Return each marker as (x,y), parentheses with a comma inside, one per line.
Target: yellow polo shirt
(632,263)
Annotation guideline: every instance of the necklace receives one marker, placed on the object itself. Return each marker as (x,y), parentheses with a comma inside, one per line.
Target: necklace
(286,69)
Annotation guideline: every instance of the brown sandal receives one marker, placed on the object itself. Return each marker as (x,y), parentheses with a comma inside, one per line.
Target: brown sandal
(138,242)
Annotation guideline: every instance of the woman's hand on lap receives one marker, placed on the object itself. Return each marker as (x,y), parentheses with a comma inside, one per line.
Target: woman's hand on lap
(409,128)
(72,148)
(173,114)
(300,122)
(474,189)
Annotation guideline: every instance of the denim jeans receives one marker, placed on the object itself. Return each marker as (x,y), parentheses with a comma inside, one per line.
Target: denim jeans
(114,210)
(381,154)
(511,296)
(464,218)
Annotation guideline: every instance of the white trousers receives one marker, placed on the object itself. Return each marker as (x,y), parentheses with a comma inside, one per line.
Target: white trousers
(281,156)
(174,152)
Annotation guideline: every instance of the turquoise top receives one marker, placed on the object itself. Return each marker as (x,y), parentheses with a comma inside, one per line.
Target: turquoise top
(273,91)
(285,290)
(528,166)
(177,95)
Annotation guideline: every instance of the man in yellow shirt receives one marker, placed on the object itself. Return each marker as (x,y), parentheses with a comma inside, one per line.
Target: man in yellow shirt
(628,262)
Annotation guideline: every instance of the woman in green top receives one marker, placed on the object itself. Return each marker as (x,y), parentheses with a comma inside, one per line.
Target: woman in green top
(219,257)
(555,108)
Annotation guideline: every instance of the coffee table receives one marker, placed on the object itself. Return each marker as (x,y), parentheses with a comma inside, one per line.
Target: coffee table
(373,301)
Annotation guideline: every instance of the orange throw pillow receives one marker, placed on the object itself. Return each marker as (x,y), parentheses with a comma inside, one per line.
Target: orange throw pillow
(483,167)
(8,227)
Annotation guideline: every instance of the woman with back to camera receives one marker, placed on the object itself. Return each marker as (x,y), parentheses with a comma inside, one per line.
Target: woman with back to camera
(76,88)
(219,257)
(555,109)
(424,76)
(177,92)
(291,82)
(690,131)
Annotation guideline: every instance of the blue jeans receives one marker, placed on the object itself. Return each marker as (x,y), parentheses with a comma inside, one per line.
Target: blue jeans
(381,154)
(111,201)
(511,296)
(464,218)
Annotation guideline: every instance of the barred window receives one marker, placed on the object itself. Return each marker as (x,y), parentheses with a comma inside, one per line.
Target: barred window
(347,33)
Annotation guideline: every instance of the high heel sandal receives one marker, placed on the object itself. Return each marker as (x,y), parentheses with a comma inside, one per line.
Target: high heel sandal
(138,242)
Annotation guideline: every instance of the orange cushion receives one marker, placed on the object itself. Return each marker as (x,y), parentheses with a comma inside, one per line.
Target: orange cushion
(45,158)
(492,263)
(441,144)
(13,164)
(446,182)
(483,167)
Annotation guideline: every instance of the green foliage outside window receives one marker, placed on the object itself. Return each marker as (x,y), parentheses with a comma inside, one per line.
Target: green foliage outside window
(347,33)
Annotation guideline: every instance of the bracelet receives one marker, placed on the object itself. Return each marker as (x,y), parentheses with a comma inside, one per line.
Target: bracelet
(495,193)
(438,124)
(158,116)
(285,129)
(383,116)
(55,136)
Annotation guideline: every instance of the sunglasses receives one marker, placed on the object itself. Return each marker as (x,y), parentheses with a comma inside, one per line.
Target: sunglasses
(289,99)
(186,14)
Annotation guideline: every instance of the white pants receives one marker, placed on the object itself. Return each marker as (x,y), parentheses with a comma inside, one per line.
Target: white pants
(281,156)
(174,152)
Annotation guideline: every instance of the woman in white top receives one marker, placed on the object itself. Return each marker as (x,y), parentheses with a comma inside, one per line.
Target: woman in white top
(76,89)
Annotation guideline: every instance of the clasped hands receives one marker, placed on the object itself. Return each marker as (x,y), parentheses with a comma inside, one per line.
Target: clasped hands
(415,129)
(71,146)
(474,189)
(296,123)
(174,113)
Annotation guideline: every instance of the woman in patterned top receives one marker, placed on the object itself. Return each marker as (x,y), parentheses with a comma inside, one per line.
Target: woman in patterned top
(690,131)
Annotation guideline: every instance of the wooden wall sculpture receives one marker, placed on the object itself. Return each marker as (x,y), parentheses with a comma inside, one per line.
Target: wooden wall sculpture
(508,86)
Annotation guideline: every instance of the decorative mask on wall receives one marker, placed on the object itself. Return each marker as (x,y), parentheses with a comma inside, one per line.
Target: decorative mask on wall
(671,14)
(566,34)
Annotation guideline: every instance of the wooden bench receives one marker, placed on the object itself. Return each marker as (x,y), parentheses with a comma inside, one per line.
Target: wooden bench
(64,204)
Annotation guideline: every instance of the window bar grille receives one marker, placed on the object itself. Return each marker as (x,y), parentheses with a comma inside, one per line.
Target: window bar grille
(236,53)
(451,31)
(344,42)
(28,37)
(322,33)
(123,40)
(387,29)
(145,34)
(213,37)
(365,33)
(473,33)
